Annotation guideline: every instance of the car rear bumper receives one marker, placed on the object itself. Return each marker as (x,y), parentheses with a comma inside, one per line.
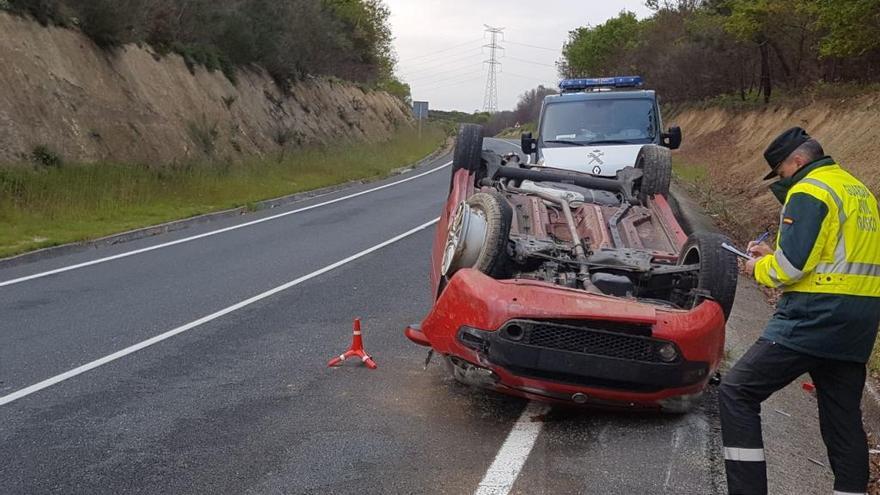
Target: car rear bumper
(545,342)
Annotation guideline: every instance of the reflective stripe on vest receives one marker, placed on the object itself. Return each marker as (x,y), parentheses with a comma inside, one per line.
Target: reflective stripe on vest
(849,261)
(841,211)
(844,268)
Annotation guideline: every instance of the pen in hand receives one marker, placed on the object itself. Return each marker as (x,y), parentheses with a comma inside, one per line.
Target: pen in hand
(754,248)
(763,237)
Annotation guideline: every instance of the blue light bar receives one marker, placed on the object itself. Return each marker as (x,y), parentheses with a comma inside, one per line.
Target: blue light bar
(568,85)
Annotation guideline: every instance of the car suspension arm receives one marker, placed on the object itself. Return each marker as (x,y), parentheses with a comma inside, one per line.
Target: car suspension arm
(579,251)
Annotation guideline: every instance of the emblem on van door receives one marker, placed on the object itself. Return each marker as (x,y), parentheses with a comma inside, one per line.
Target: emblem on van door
(595,156)
(597,170)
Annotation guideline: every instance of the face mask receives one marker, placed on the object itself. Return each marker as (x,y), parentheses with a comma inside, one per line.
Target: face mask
(780,188)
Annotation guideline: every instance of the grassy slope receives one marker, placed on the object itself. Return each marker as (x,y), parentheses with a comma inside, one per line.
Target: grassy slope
(52,206)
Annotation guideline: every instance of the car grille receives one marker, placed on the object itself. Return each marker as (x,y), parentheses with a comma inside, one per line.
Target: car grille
(584,340)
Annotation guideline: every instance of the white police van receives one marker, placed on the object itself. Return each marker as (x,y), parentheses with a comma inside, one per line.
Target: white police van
(600,126)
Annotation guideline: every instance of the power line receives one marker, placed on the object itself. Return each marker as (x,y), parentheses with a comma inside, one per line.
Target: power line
(450,85)
(442,80)
(557,50)
(531,78)
(530,62)
(446,49)
(490,101)
(470,68)
(469,60)
(449,57)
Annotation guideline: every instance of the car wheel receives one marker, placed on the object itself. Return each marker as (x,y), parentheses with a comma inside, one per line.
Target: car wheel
(468,150)
(718,267)
(478,236)
(655,162)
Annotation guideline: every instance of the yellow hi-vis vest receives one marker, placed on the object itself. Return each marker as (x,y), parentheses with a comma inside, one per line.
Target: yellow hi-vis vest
(845,258)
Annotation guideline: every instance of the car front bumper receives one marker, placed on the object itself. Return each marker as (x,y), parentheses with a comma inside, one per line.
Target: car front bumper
(545,342)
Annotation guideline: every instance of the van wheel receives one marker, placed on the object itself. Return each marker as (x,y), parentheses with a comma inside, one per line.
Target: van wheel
(718,267)
(655,162)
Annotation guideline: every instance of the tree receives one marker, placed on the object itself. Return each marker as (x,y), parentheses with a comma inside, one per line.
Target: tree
(595,51)
(528,109)
(852,27)
(767,24)
(350,39)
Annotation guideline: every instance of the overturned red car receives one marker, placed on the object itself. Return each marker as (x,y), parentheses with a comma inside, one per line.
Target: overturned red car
(568,287)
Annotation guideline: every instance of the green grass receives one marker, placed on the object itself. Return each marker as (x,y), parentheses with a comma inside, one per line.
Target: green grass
(512,132)
(41,207)
(691,174)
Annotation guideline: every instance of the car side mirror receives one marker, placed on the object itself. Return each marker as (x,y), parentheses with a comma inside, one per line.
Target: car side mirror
(672,138)
(528,144)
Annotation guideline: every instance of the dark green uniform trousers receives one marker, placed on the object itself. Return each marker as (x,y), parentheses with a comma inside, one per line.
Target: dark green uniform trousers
(768,367)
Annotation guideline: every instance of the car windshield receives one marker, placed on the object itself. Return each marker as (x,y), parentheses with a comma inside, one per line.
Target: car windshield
(618,121)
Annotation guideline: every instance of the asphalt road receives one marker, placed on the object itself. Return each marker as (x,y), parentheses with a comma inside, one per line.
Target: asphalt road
(243,402)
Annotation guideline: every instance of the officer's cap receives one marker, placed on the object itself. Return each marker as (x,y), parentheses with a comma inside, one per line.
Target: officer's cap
(782,146)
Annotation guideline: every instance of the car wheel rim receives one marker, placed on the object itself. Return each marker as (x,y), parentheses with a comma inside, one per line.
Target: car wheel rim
(464,242)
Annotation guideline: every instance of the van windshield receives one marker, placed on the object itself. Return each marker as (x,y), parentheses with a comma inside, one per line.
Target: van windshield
(623,121)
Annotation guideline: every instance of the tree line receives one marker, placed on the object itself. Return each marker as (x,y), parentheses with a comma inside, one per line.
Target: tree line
(349,39)
(527,111)
(695,49)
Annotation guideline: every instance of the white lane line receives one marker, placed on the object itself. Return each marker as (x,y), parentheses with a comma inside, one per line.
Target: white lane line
(509,461)
(216,232)
(6,399)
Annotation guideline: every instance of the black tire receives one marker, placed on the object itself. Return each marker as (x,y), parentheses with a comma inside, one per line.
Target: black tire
(718,267)
(655,162)
(468,150)
(489,164)
(499,215)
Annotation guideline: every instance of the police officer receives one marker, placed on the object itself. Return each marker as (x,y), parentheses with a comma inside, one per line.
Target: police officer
(827,263)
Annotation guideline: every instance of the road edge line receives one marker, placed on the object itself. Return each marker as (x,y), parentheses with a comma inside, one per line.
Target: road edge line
(19,394)
(218,231)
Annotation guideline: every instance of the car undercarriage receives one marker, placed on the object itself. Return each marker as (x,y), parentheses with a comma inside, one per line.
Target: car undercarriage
(532,224)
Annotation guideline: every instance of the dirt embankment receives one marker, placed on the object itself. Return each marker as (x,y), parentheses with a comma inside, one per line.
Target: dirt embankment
(722,152)
(88,104)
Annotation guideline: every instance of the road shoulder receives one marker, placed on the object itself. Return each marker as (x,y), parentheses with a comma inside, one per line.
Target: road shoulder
(177,225)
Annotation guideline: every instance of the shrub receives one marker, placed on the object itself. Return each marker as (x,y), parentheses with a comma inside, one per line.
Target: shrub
(291,39)
(44,11)
(204,134)
(44,156)
(108,23)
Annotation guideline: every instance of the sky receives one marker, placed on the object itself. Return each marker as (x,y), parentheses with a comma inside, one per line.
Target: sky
(439,45)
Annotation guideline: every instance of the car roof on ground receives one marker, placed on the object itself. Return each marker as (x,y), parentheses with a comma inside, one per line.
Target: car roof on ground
(647,94)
